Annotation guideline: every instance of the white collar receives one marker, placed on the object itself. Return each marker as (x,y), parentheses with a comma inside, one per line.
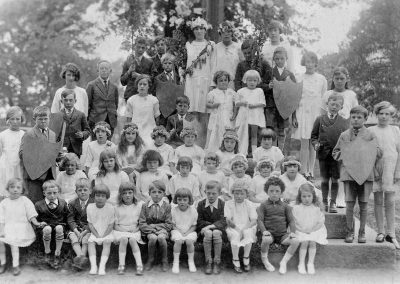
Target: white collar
(69,112)
(280,70)
(329,115)
(80,201)
(159,203)
(181,116)
(48,201)
(215,204)
(172,73)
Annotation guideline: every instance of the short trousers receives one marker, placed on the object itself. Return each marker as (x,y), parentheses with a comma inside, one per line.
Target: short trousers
(353,190)
(329,168)
(274,120)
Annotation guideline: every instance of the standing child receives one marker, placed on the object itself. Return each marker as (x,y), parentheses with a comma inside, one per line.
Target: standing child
(151,163)
(10,140)
(211,163)
(324,136)
(357,145)
(291,178)
(257,193)
(314,87)
(274,218)
(159,136)
(143,109)
(220,105)
(310,226)
(103,132)
(241,218)
(211,225)
(189,149)
(67,179)
(228,149)
(17,213)
(155,222)
(126,228)
(110,174)
(387,180)
(101,218)
(267,150)
(184,179)
(77,221)
(184,220)
(249,110)
(52,213)
(238,166)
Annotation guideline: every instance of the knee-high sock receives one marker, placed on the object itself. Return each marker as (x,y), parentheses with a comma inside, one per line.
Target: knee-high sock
(350,215)
(334,191)
(363,215)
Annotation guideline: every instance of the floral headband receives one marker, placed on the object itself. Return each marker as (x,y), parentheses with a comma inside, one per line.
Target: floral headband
(231,134)
(188,131)
(291,162)
(133,129)
(239,159)
(198,22)
(226,26)
(103,128)
(159,131)
(265,161)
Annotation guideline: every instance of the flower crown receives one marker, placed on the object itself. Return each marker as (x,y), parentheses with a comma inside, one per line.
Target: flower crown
(291,162)
(231,134)
(267,161)
(132,128)
(199,22)
(226,26)
(241,159)
(103,128)
(159,131)
(188,131)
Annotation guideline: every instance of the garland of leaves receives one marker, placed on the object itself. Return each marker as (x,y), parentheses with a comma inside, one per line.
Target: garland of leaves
(200,59)
(260,39)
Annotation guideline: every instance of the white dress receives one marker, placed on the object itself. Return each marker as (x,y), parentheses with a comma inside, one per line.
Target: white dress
(205,177)
(225,158)
(183,220)
(258,183)
(190,182)
(15,215)
(196,153)
(143,110)
(113,180)
(197,85)
(220,117)
(130,158)
(314,87)
(167,153)
(292,186)
(81,100)
(274,154)
(101,218)
(92,160)
(387,168)
(350,101)
(10,164)
(144,180)
(67,184)
(126,221)
(306,218)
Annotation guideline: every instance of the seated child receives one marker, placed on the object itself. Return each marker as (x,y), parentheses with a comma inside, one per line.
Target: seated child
(155,223)
(211,225)
(184,179)
(310,226)
(229,148)
(126,229)
(101,218)
(184,220)
(77,221)
(159,136)
(176,122)
(67,179)
(238,166)
(267,150)
(241,219)
(211,163)
(257,193)
(52,213)
(274,218)
(292,178)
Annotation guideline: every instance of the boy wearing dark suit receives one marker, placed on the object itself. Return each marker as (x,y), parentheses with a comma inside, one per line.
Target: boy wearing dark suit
(324,136)
(211,225)
(161,48)
(77,221)
(134,66)
(102,97)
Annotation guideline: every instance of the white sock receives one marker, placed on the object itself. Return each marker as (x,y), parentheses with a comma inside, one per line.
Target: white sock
(92,259)
(191,257)
(122,256)
(176,256)
(103,262)
(138,258)
(15,256)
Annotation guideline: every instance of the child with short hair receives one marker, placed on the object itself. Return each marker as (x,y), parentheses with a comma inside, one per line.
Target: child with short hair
(67,178)
(10,140)
(155,222)
(17,214)
(310,226)
(184,179)
(264,168)
(184,221)
(267,148)
(190,149)
(228,149)
(249,110)
(52,213)
(211,225)
(386,181)
(102,132)
(241,220)
(238,166)
(126,228)
(292,178)
(357,145)
(77,221)
(220,104)
(324,136)
(211,172)
(159,136)
(151,163)
(274,218)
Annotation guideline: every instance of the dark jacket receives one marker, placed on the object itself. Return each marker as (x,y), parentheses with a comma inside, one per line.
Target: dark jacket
(77,218)
(265,74)
(52,217)
(173,122)
(206,217)
(163,221)
(269,96)
(275,217)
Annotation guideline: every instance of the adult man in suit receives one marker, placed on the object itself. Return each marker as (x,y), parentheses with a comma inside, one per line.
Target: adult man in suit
(102,97)
(134,66)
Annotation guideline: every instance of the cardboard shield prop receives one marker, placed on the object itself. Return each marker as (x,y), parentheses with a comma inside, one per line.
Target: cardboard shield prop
(39,155)
(287,95)
(359,159)
(166,93)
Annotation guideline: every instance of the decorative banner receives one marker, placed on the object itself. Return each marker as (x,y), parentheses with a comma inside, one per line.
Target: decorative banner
(166,93)
(287,96)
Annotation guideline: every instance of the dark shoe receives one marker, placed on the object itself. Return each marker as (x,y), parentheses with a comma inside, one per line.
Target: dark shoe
(380,238)
(247,267)
(217,267)
(332,207)
(349,238)
(16,271)
(388,239)
(77,262)
(47,259)
(2,268)
(164,266)
(361,237)
(149,265)
(393,241)
(208,269)
(57,261)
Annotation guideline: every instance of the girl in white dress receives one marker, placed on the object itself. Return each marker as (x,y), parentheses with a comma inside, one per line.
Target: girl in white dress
(10,140)
(291,178)
(310,226)
(264,167)
(241,220)
(387,169)
(220,105)
(314,87)
(159,136)
(239,166)
(102,131)
(17,214)
(228,149)
(110,174)
(143,109)
(249,110)
(184,179)
(184,221)
(126,228)
(211,173)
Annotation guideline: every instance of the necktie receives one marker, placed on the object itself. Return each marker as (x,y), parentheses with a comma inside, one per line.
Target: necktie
(355,131)
(211,208)
(105,84)
(52,205)
(169,76)
(44,132)
(83,205)
(157,209)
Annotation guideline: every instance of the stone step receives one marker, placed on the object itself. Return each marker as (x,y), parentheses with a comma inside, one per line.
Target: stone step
(335,224)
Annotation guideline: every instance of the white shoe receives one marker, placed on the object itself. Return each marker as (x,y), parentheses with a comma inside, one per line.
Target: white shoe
(93,270)
(175,267)
(302,269)
(102,271)
(282,268)
(268,266)
(192,267)
(311,268)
